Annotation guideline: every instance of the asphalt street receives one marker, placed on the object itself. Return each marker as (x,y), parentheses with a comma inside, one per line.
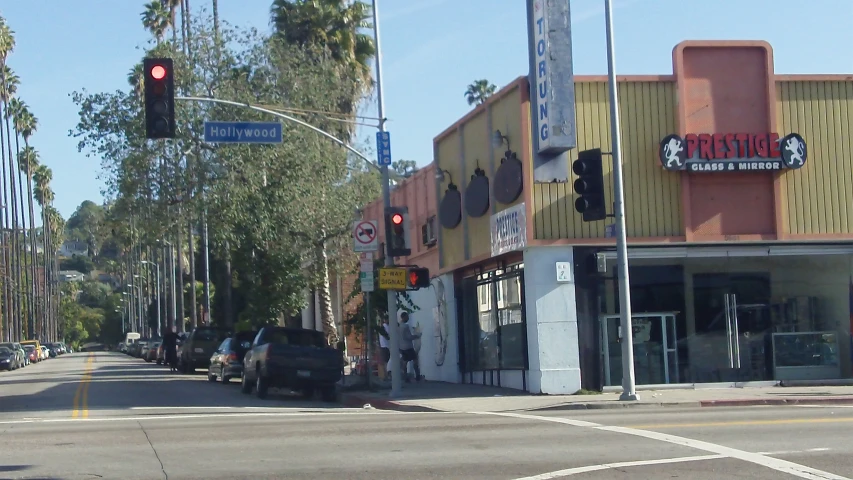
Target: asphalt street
(106,415)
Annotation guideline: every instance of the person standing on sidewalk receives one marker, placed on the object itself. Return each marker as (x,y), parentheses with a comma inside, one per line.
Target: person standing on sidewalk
(384,350)
(407,347)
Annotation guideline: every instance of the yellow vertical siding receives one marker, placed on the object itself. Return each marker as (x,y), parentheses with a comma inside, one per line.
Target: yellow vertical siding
(448,157)
(816,197)
(476,154)
(652,195)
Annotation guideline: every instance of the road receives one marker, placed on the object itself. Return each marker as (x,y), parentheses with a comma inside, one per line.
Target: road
(106,415)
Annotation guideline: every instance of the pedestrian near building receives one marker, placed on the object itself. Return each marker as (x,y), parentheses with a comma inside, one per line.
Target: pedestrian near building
(407,347)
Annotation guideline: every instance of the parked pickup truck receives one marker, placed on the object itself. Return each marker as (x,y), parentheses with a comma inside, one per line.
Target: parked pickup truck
(292,357)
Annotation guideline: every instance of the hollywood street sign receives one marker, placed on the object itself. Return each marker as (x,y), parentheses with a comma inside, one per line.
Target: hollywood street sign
(732,152)
(243,132)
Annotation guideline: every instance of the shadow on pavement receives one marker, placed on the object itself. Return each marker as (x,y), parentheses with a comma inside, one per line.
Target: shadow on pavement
(119,382)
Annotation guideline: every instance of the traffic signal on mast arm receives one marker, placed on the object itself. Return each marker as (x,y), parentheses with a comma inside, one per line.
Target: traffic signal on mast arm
(397,231)
(159,80)
(417,278)
(589,185)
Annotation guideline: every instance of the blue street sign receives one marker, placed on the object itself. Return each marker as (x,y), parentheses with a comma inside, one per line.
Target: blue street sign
(383,148)
(242,132)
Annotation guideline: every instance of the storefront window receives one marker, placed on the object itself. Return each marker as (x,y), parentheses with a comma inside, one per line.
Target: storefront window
(493,328)
(740,314)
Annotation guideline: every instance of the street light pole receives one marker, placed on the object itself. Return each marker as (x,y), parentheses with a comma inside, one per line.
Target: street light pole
(394,333)
(156,294)
(628,382)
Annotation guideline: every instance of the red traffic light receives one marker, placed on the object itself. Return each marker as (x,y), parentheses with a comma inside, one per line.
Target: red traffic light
(397,219)
(158,72)
(413,277)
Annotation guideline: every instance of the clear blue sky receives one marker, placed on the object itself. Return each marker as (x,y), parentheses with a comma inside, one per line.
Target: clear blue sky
(432,49)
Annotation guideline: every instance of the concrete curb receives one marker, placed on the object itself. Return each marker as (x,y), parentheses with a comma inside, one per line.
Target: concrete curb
(612,406)
(748,402)
(356,400)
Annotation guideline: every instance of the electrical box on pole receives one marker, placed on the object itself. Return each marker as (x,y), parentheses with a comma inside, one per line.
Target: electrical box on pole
(397,231)
(590,185)
(159,85)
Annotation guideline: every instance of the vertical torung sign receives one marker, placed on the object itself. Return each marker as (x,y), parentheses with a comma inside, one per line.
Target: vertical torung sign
(552,92)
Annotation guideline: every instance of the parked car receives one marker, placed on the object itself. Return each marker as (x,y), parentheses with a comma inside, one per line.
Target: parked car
(227,361)
(292,357)
(8,359)
(21,358)
(32,354)
(199,346)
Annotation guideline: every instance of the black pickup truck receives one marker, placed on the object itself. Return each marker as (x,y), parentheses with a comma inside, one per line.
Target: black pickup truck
(292,357)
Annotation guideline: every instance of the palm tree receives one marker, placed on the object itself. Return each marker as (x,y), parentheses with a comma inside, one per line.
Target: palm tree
(216,21)
(479,91)
(333,26)
(25,124)
(330,28)
(7,44)
(156,19)
(9,85)
(43,194)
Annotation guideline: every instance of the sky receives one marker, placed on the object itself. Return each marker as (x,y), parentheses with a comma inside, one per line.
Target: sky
(431,50)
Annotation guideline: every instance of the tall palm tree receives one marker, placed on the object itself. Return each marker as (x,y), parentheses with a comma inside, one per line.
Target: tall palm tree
(43,194)
(156,19)
(330,28)
(479,91)
(7,44)
(9,85)
(216,20)
(23,123)
(28,161)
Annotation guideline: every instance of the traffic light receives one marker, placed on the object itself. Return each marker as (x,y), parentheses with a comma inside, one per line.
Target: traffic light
(159,79)
(589,185)
(397,231)
(417,278)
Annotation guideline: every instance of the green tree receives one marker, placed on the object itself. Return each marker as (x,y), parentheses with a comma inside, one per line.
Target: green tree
(80,263)
(357,319)
(479,91)
(270,208)
(86,225)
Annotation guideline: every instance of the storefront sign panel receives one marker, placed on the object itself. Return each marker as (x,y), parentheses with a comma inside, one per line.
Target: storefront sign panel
(551,79)
(509,230)
(732,152)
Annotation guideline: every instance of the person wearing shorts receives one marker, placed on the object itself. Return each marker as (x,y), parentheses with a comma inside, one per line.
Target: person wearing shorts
(407,347)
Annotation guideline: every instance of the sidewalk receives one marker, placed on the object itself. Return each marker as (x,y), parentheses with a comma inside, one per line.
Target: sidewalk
(450,397)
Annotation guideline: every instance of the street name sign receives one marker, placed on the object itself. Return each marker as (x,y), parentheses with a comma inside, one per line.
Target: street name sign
(243,132)
(392,278)
(365,236)
(383,148)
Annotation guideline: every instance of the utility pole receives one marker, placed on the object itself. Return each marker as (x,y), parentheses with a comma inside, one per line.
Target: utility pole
(156,295)
(628,381)
(394,333)
(206,242)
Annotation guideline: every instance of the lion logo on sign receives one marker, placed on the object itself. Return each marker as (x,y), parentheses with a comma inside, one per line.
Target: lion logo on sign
(671,151)
(794,151)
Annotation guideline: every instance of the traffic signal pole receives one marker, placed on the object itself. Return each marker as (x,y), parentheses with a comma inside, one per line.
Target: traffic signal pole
(394,333)
(628,381)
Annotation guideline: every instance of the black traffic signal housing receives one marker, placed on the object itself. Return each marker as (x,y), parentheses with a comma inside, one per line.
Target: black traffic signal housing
(397,231)
(159,80)
(417,278)
(589,185)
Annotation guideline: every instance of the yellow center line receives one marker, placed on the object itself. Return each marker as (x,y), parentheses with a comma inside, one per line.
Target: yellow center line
(788,421)
(81,396)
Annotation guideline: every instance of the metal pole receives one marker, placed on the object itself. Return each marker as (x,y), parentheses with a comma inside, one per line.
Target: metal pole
(394,333)
(156,294)
(367,354)
(206,243)
(174,319)
(628,382)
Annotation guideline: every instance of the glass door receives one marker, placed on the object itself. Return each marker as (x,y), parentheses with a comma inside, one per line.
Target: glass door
(732,328)
(655,348)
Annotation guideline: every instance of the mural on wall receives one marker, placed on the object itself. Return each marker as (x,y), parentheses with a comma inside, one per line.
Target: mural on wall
(439,313)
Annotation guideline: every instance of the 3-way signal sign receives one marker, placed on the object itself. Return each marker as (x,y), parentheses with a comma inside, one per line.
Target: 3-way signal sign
(365,236)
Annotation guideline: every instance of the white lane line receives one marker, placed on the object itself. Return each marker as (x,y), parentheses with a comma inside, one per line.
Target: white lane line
(792,452)
(777,464)
(208,416)
(607,466)
(823,406)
